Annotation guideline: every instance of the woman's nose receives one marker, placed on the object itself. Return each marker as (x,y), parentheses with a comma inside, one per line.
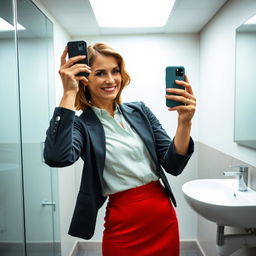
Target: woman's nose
(110,79)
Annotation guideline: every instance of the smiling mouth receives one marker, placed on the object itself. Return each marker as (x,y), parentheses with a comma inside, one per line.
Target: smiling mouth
(109,89)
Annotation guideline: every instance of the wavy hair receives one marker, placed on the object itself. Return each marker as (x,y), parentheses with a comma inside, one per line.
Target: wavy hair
(83,97)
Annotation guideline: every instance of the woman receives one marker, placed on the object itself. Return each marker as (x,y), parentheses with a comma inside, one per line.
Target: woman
(124,149)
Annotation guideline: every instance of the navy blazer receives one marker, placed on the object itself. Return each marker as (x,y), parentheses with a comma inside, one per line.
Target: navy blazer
(70,137)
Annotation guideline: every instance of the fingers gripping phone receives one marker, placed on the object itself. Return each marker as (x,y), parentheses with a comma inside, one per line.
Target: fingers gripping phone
(76,48)
(174,73)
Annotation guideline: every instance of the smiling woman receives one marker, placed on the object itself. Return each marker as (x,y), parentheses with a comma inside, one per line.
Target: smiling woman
(104,82)
(98,55)
(124,149)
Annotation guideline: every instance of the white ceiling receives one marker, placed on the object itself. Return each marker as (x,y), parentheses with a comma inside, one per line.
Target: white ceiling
(77,17)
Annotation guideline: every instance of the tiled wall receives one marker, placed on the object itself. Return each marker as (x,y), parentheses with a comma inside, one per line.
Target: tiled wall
(211,164)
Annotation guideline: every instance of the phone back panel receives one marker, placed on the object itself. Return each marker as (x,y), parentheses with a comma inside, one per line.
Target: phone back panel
(77,48)
(174,73)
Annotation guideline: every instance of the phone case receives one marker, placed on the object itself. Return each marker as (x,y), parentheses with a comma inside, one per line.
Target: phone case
(174,73)
(76,48)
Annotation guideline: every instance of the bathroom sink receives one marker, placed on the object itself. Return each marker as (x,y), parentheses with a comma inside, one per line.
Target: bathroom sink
(219,200)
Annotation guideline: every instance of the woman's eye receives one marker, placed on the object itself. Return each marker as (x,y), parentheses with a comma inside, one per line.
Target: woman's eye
(116,71)
(99,73)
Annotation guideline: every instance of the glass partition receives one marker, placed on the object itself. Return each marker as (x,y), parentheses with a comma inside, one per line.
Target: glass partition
(11,201)
(35,82)
(29,212)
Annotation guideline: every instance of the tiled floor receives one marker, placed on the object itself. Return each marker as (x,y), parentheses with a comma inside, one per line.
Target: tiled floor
(192,253)
(188,254)
(91,253)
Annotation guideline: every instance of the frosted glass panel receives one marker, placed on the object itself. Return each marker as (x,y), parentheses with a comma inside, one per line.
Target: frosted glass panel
(29,222)
(35,81)
(11,206)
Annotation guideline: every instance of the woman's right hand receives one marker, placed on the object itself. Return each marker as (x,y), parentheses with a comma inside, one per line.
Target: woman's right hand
(68,71)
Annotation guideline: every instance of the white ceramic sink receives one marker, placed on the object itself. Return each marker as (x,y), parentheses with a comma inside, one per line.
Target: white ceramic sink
(220,201)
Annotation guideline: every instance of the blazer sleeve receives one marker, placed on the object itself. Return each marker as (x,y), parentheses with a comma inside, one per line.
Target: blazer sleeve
(171,161)
(64,139)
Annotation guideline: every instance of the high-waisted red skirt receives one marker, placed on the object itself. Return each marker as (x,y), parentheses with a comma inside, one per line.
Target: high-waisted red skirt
(141,222)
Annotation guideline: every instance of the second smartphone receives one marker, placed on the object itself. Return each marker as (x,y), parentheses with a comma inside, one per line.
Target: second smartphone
(77,48)
(173,73)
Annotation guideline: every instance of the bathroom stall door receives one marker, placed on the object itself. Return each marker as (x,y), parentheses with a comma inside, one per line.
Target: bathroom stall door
(35,60)
(12,238)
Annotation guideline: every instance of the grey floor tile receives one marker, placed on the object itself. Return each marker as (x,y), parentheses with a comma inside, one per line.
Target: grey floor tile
(192,253)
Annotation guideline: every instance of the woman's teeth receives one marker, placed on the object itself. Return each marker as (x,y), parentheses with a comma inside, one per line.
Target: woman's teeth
(109,89)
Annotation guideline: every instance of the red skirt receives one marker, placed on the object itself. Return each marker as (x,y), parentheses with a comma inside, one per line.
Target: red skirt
(141,222)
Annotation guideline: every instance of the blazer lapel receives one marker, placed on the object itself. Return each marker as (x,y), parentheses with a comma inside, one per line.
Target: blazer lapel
(97,135)
(141,127)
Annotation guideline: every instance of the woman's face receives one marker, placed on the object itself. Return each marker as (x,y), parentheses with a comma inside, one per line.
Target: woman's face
(104,82)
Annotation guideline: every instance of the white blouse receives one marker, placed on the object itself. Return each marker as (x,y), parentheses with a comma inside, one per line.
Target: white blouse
(128,163)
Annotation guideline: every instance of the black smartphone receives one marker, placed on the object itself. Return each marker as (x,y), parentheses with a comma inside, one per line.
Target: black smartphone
(174,73)
(76,48)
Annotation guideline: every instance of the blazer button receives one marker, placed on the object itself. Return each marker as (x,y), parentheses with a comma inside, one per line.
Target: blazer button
(57,118)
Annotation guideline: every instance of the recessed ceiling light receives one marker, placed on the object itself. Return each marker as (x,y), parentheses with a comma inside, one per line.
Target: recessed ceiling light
(251,21)
(6,26)
(132,13)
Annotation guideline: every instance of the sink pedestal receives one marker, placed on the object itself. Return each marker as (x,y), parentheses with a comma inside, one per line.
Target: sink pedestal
(227,244)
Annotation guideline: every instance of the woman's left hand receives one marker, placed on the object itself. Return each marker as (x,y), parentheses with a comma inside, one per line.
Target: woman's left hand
(186,111)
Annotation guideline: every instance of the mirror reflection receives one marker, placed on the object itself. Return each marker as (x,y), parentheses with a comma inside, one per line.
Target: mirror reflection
(245,106)
(29,189)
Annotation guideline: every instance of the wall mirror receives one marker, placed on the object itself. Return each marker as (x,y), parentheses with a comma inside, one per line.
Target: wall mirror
(245,84)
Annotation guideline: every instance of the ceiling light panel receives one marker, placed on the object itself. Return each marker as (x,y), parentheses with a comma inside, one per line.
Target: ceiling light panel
(132,13)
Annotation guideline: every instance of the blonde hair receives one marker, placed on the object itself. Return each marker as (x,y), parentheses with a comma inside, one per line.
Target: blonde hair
(83,97)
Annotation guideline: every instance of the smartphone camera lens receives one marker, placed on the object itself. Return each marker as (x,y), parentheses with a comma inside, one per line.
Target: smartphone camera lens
(179,72)
(81,47)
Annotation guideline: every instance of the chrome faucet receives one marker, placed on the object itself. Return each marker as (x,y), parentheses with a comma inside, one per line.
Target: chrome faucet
(242,174)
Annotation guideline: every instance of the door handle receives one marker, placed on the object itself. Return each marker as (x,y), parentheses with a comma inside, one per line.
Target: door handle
(49,203)
(42,152)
